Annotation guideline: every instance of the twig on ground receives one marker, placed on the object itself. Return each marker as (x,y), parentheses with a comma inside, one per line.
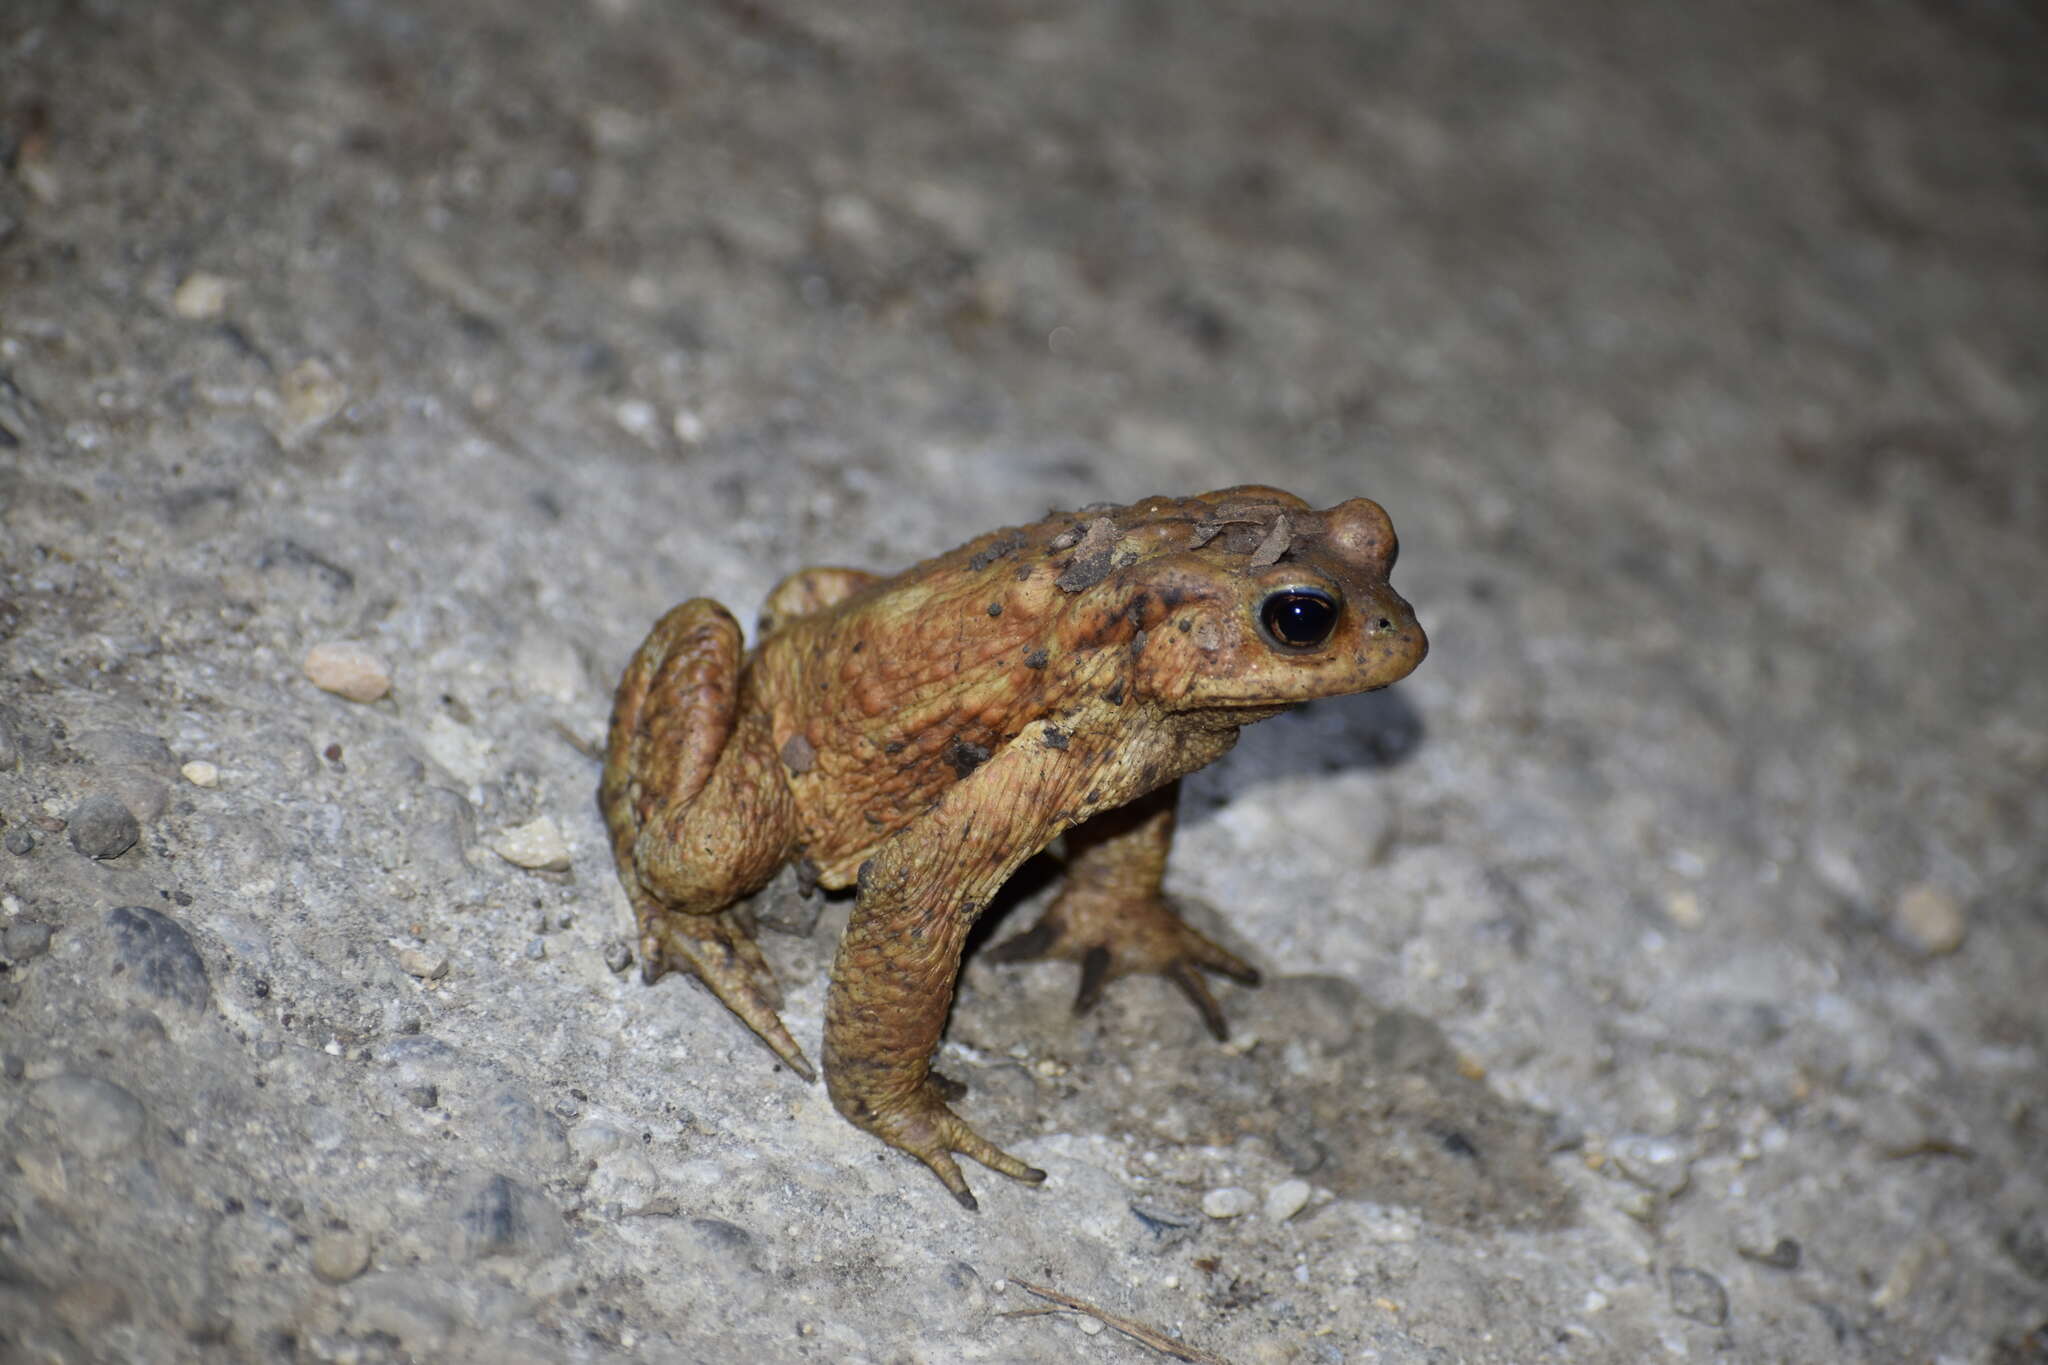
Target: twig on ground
(1136,1331)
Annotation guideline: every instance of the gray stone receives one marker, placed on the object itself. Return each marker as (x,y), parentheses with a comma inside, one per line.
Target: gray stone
(510,1118)
(503,1218)
(159,957)
(1697,1295)
(95,1118)
(24,940)
(406,1307)
(136,748)
(101,827)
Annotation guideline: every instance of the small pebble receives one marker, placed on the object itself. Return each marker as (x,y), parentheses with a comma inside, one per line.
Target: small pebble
(48,824)
(425,966)
(20,842)
(313,395)
(1697,1295)
(618,955)
(537,845)
(200,296)
(348,670)
(200,773)
(1930,919)
(537,949)
(1286,1199)
(340,1255)
(1228,1202)
(101,827)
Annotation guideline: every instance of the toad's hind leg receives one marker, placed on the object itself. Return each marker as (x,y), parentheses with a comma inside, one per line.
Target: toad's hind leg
(697,815)
(1111,917)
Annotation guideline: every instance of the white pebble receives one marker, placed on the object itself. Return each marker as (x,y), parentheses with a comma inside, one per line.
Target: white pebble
(1930,919)
(1286,1199)
(348,670)
(312,396)
(1228,1202)
(425,966)
(340,1255)
(200,296)
(200,773)
(537,844)
(638,417)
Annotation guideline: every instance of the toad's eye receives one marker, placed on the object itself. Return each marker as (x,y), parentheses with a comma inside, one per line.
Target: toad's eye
(1298,618)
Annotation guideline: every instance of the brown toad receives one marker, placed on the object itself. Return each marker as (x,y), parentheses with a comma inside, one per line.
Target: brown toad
(923,735)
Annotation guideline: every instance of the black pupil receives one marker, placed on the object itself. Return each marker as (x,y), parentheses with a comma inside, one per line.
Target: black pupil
(1299,617)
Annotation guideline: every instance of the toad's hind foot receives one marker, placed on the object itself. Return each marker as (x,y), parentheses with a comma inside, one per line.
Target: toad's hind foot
(718,951)
(1112,936)
(923,1126)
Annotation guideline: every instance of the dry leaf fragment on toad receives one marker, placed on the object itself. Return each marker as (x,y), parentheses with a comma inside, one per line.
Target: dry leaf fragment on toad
(1091,561)
(1274,545)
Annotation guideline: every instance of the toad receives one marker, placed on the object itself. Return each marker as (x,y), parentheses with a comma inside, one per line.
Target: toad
(919,736)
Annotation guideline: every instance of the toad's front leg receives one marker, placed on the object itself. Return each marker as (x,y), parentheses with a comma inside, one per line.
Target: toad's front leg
(893,981)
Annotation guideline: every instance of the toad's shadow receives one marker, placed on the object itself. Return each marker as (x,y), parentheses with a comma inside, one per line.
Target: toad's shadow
(1373,1104)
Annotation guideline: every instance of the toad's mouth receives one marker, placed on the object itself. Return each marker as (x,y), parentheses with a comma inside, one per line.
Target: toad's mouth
(1227,713)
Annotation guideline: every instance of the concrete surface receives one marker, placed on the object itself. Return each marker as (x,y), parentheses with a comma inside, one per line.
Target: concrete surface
(1657,975)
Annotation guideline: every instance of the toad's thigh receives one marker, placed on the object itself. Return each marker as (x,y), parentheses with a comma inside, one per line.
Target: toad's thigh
(701,853)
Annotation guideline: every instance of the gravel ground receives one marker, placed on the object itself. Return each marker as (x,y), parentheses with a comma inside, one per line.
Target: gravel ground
(1658,974)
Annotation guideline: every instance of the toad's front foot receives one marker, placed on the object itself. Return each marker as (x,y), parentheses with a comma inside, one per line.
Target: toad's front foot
(918,1122)
(717,950)
(1112,935)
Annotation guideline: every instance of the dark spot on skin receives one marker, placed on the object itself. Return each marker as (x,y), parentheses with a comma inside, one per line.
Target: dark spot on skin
(1035,658)
(863,875)
(1094,794)
(894,746)
(859,645)
(1023,572)
(1185,625)
(1138,643)
(1006,546)
(1115,695)
(964,755)
(1134,610)
(1055,738)
(995,609)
